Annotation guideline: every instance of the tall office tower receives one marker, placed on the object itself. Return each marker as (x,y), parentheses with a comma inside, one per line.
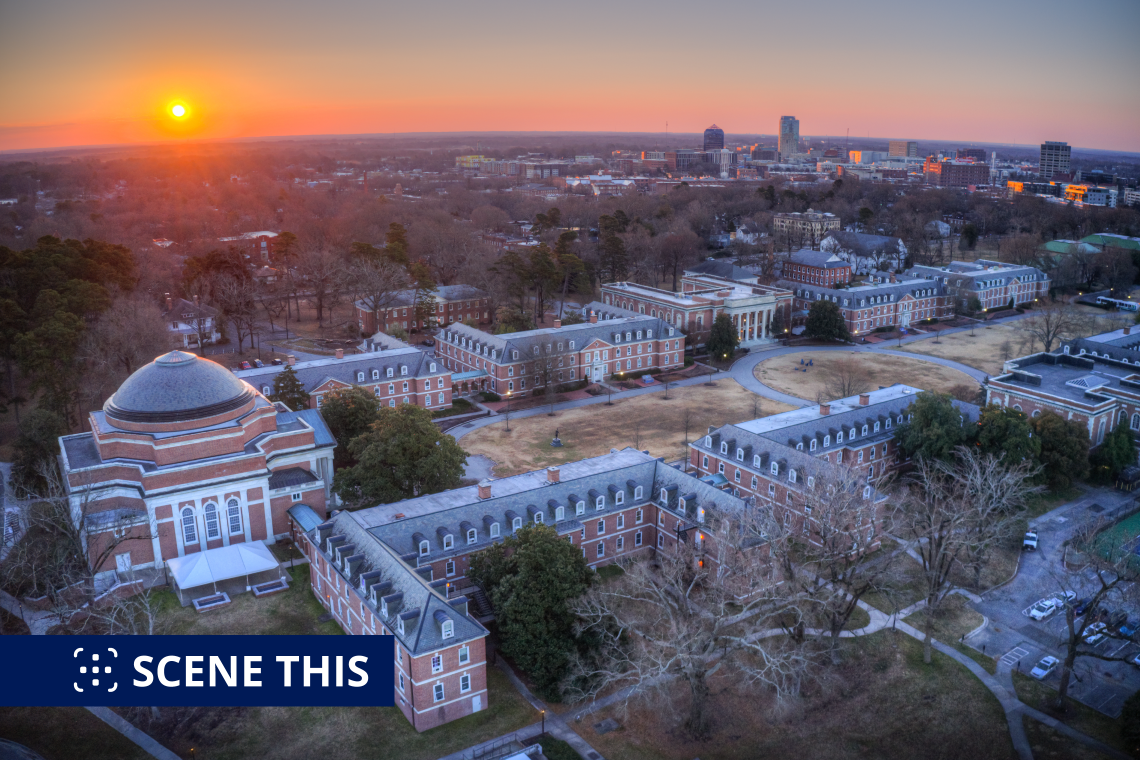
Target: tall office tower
(789,137)
(1054,159)
(714,138)
(904,148)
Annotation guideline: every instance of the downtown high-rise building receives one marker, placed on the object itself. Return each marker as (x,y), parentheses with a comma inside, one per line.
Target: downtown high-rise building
(714,138)
(789,137)
(903,148)
(1054,159)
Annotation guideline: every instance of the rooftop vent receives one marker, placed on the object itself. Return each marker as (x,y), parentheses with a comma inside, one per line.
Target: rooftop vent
(1087,382)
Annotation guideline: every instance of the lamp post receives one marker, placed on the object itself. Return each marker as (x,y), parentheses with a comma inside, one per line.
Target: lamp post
(543,722)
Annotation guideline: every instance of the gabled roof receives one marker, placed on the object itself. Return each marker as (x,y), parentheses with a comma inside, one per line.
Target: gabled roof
(313,374)
(724,269)
(180,307)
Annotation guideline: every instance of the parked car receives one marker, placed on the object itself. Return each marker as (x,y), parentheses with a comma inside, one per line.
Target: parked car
(1095,633)
(1063,598)
(258,363)
(1043,609)
(1129,627)
(1029,543)
(245,365)
(1082,606)
(428,341)
(1042,669)
(277,362)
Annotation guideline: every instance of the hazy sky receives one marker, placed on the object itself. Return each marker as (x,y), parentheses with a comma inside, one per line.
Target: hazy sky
(81,72)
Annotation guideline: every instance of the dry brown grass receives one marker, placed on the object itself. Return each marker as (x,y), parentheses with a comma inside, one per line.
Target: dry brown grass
(644,422)
(1049,743)
(985,350)
(882,703)
(881,370)
(953,619)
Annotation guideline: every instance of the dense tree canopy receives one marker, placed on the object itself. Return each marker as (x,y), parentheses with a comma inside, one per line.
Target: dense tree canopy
(825,322)
(289,391)
(723,338)
(1003,431)
(531,576)
(1064,449)
(932,427)
(349,413)
(1117,452)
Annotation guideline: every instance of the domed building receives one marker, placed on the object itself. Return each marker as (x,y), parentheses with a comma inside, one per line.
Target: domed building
(186,457)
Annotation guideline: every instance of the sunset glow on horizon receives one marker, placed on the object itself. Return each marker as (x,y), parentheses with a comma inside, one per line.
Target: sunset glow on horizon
(351,67)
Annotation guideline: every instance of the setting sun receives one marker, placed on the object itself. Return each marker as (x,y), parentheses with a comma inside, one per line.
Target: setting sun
(179,111)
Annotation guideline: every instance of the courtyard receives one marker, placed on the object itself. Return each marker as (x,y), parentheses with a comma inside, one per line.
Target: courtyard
(783,373)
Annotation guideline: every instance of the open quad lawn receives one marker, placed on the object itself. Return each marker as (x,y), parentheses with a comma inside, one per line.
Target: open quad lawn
(881,369)
(1050,743)
(1040,694)
(290,612)
(644,422)
(953,619)
(985,350)
(66,733)
(882,702)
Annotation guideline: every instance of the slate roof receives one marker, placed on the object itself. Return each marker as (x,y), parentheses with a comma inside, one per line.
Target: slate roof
(966,274)
(183,309)
(859,296)
(321,433)
(289,477)
(314,373)
(410,596)
(611,320)
(724,269)
(861,243)
(821,259)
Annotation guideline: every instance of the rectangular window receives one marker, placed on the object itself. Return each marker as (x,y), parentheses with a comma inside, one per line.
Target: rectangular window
(401,683)
(449,568)
(660,541)
(437,692)
(638,516)
(465,683)
(464,655)
(620,543)
(437,663)
(620,521)
(601,549)
(637,538)
(601,527)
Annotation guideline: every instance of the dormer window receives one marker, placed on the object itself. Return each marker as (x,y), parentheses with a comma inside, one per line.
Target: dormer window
(740,455)
(708,441)
(876,427)
(888,423)
(811,484)
(775,469)
(664,496)
(391,372)
(560,513)
(375,374)
(514,354)
(637,492)
(431,367)
(648,334)
(600,502)
(756,461)
(425,548)
(360,377)
(403,369)
(826,441)
(447,630)
(800,446)
(812,446)
(265,390)
(384,607)
(792,476)
(867,492)
(472,536)
(400,625)
(619,497)
(723,448)
(516,524)
(494,530)
(864,430)
(580,508)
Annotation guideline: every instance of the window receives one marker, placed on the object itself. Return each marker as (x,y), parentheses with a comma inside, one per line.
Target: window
(189,527)
(360,377)
(212,530)
(403,369)
(516,524)
(737,475)
(472,536)
(860,456)
(621,521)
(601,549)
(437,663)
(638,516)
(447,630)
(754,482)
(425,548)
(448,541)
(771,489)
(401,683)
(600,502)
(620,543)
(812,446)
(494,530)
(660,537)
(405,386)
(704,462)
(792,475)
(580,508)
(464,683)
(538,518)
(724,448)
(234,510)
(390,373)
(601,527)
(265,391)
(464,655)
(437,692)
(720,467)
(449,568)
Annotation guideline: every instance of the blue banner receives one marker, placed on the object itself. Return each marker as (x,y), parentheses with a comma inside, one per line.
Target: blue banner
(285,671)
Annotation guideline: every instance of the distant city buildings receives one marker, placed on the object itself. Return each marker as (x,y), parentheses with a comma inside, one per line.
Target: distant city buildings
(971,154)
(807,225)
(903,148)
(867,156)
(948,173)
(714,138)
(1054,159)
(789,137)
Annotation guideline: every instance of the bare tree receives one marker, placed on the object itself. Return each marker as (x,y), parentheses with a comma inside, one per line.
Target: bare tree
(708,604)
(1020,249)
(845,377)
(237,298)
(124,338)
(376,282)
(321,271)
(1051,322)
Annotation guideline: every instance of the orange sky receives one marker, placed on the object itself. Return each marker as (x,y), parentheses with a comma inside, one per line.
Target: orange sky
(1020,72)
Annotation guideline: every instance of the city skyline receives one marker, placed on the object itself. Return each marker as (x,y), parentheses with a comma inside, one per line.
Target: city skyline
(353,68)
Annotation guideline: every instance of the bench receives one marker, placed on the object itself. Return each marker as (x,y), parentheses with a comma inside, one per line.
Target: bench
(271,587)
(211,602)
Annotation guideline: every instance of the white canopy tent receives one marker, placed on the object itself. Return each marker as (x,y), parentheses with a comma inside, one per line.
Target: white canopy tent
(224,563)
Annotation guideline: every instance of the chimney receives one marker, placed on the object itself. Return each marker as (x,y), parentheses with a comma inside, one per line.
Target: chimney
(864,399)
(292,360)
(196,300)
(893,277)
(552,474)
(557,323)
(824,409)
(340,353)
(485,489)
(169,303)
(1127,330)
(593,317)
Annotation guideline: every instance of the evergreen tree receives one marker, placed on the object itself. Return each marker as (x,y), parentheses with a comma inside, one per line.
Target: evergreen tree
(531,577)
(1064,449)
(348,413)
(1005,431)
(934,428)
(35,449)
(401,455)
(723,338)
(825,322)
(777,327)
(1117,452)
(288,390)
(396,244)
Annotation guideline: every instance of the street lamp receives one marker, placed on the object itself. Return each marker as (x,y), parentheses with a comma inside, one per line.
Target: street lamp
(543,722)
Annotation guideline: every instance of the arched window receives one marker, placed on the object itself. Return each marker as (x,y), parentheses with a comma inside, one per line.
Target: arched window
(664,496)
(448,541)
(234,513)
(560,513)
(265,390)
(637,492)
(792,475)
(494,530)
(212,530)
(538,518)
(517,523)
(619,497)
(390,372)
(472,536)
(580,508)
(375,374)
(425,548)
(600,502)
(189,527)
(812,446)
(360,377)
(403,369)
(1135,421)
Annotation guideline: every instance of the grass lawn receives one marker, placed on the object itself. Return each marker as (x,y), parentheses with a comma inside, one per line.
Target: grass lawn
(906,587)
(1039,504)
(882,702)
(985,350)
(556,749)
(644,422)
(860,618)
(1084,719)
(458,406)
(1050,743)
(881,369)
(301,733)
(291,612)
(64,733)
(953,619)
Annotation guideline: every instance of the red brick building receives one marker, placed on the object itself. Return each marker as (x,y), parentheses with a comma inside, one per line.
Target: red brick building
(186,451)
(884,300)
(950,173)
(453,303)
(817,268)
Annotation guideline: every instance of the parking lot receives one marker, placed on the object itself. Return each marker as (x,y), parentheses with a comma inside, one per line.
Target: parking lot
(1020,642)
